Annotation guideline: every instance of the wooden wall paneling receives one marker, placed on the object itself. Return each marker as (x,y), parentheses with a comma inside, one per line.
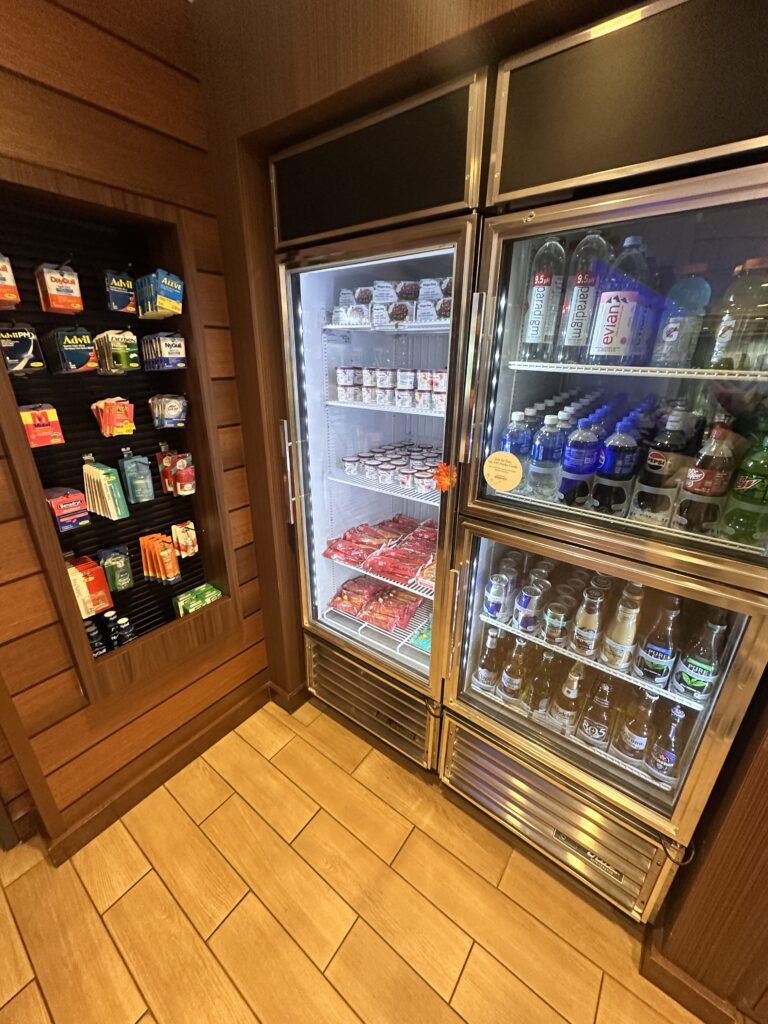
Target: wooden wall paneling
(34,657)
(25,605)
(245,560)
(19,557)
(10,506)
(231,446)
(49,702)
(241,526)
(226,403)
(23,814)
(218,344)
(42,42)
(169,37)
(213,300)
(203,232)
(235,488)
(107,149)
(250,595)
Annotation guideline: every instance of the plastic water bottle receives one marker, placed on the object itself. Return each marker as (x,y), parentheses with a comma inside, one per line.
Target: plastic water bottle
(544,298)
(564,427)
(616,470)
(517,439)
(580,460)
(544,467)
(684,309)
(589,264)
(621,309)
(531,420)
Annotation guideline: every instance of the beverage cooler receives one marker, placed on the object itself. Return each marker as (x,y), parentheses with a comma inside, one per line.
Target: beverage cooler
(373,350)
(609,579)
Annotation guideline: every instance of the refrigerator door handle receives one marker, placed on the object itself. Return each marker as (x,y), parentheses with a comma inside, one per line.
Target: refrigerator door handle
(453,604)
(469,398)
(287,446)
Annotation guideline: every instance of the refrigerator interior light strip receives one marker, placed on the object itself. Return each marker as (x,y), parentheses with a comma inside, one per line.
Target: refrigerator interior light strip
(377,261)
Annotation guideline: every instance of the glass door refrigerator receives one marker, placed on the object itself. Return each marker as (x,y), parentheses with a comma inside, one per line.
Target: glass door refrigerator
(610,571)
(372,330)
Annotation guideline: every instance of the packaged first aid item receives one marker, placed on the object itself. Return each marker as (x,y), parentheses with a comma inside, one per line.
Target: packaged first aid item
(117,351)
(89,584)
(159,295)
(58,288)
(121,295)
(70,350)
(41,425)
(68,507)
(21,348)
(9,292)
(165,351)
(103,491)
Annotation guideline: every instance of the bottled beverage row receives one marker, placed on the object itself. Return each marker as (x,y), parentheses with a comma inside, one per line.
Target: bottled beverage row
(606,714)
(621,308)
(676,463)
(619,624)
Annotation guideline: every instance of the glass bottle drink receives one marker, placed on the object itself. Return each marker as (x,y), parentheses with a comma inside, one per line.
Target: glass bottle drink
(555,625)
(617,465)
(663,756)
(620,311)
(698,665)
(740,334)
(619,641)
(580,460)
(544,297)
(587,624)
(684,309)
(659,475)
(746,515)
(657,651)
(594,724)
(635,731)
(634,592)
(537,692)
(488,670)
(512,680)
(588,266)
(564,708)
(705,483)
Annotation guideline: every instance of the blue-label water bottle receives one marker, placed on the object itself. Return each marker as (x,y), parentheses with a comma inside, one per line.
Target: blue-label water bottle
(544,467)
(517,439)
(580,459)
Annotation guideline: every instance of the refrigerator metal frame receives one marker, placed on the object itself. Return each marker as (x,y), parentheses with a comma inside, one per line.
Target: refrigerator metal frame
(461,232)
(673,197)
(727,714)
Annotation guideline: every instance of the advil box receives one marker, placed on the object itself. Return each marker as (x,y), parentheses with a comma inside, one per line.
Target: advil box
(121,294)
(58,288)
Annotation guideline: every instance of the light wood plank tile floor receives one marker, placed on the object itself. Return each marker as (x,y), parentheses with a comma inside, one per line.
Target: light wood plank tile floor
(299,872)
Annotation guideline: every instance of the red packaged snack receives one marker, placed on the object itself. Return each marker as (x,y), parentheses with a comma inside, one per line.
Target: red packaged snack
(354,596)
(392,610)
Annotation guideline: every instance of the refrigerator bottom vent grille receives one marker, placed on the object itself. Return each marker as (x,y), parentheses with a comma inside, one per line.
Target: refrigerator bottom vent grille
(372,700)
(620,863)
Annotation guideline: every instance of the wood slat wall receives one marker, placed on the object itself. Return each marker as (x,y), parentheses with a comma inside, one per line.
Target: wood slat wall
(126,113)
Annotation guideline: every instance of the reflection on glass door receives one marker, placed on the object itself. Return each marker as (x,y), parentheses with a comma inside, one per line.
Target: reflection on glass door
(615,677)
(629,376)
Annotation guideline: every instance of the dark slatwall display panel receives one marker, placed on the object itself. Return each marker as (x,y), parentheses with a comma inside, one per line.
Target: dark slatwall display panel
(28,237)
(412,161)
(687,79)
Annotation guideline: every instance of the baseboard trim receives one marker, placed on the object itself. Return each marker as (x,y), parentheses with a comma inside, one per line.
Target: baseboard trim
(83,831)
(681,986)
(289,701)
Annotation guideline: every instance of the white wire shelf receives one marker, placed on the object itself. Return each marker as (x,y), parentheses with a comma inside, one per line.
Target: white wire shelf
(408,493)
(406,327)
(546,722)
(677,698)
(419,589)
(395,644)
(676,373)
(723,544)
(370,407)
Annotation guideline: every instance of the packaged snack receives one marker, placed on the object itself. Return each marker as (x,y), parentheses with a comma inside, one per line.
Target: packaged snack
(369,376)
(404,398)
(424,380)
(116,563)
(21,348)
(185,539)
(379,314)
(345,375)
(426,312)
(347,298)
(407,290)
(384,291)
(385,377)
(354,595)
(9,292)
(444,309)
(339,316)
(137,477)
(68,507)
(422,638)
(114,416)
(70,350)
(358,314)
(351,464)
(400,312)
(121,294)
(364,295)
(195,599)
(406,378)
(423,401)
(368,394)
(385,396)
(430,290)
(446,286)
(58,288)
(439,380)
(41,425)
(117,351)
(439,401)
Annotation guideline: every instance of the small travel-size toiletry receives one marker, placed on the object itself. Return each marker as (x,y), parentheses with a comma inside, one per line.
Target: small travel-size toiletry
(68,507)
(58,287)
(21,348)
(41,425)
(116,563)
(103,491)
(136,473)
(185,539)
(158,558)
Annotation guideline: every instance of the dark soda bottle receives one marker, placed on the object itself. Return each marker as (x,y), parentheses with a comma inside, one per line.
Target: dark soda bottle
(659,475)
(663,757)
(617,466)
(705,483)
(746,516)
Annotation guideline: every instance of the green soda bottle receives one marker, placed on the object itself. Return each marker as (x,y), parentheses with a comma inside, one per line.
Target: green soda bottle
(746,516)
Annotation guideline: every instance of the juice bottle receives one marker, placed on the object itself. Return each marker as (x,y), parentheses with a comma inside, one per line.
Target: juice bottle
(619,641)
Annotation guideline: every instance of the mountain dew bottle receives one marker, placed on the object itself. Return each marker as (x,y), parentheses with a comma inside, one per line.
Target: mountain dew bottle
(746,516)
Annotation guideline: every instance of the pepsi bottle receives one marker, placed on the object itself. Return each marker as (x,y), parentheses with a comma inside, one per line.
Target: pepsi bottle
(580,460)
(617,465)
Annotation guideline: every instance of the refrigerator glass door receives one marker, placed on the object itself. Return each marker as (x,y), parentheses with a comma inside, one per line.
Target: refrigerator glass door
(606,672)
(372,344)
(644,336)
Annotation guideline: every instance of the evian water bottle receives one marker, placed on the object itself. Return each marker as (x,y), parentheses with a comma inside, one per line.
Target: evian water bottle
(589,264)
(621,309)
(544,296)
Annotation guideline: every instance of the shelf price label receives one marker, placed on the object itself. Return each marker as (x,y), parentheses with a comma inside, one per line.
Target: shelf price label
(503,471)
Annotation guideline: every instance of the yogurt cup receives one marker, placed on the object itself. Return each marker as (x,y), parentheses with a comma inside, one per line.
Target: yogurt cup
(405,476)
(385,378)
(372,469)
(424,481)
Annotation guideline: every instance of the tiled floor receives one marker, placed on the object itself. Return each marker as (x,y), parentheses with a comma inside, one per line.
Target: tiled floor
(297,875)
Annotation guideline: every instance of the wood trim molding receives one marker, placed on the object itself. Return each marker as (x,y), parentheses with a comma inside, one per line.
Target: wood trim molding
(678,984)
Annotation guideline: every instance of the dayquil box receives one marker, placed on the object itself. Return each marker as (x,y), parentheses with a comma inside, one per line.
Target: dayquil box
(9,292)
(58,288)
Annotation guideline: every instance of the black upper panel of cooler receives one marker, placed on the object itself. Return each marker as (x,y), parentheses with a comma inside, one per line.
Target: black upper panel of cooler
(406,163)
(687,79)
